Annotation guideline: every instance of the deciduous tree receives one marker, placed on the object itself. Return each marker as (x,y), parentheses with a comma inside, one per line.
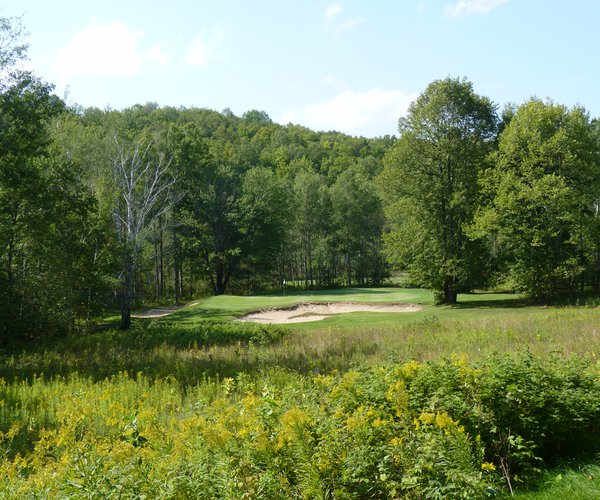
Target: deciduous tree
(142,194)
(431,182)
(544,186)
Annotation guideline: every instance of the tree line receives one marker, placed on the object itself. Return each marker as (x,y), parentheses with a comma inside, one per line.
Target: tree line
(112,208)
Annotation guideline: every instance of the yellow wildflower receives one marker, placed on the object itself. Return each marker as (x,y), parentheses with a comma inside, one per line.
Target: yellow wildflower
(427,418)
(488,467)
(410,368)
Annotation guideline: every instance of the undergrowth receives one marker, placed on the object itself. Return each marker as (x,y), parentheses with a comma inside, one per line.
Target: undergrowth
(233,410)
(447,429)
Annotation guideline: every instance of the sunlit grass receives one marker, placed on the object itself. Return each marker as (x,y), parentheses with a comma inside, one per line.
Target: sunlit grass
(183,362)
(322,348)
(573,483)
(229,307)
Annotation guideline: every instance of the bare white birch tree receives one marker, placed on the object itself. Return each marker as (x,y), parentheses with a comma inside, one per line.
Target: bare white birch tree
(144,193)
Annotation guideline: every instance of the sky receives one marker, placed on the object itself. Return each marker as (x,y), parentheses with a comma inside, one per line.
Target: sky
(347,65)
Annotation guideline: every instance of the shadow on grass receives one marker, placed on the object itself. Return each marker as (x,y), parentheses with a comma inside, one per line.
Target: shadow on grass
(189,365)
(467,302)
(158,349)
(196,313)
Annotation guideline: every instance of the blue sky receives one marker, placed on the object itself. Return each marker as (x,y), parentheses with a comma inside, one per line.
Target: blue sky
(348,65)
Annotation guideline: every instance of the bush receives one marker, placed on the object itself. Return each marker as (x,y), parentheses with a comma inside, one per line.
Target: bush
(526,411)
(416,430)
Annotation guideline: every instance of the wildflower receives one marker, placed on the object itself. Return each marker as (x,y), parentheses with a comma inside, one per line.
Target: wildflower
(397,441)
(293,422)
(410,368)
(378,422)
(427,418)
(488,467)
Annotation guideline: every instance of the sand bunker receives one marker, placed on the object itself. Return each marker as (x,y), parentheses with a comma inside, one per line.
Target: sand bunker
(303,313)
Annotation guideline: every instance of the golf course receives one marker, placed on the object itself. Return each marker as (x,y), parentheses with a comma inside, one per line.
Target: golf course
(366,288)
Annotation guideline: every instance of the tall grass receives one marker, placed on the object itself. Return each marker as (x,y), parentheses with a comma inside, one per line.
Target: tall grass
(198,409)
(185,353)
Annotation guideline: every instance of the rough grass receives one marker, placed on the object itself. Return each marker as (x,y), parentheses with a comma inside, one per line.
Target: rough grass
(577,482)
(198,346)
(177,345)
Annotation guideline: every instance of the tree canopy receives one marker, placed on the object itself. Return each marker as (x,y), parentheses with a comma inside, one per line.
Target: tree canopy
(431,182)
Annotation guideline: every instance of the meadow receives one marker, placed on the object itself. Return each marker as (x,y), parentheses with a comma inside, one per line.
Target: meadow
(466,401)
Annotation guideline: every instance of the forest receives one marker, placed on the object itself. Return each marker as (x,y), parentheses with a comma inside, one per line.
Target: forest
(151,204)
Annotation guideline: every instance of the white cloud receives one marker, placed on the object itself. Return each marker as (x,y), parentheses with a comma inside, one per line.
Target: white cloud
(350,24)
(156,53)
(334,82)
(466,7)
(332,10)
(374,112)
(101,50)
(333,21)
(204,48)
(199,52)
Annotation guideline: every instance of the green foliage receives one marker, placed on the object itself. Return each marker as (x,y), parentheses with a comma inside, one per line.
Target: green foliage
(12,48)
(234,226)
(409,430)
(543,189)
(526,411)
(48,232)
(357,216)
(431,185)
(263,214)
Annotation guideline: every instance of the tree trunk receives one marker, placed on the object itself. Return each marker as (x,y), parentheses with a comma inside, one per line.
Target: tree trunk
(9,275)
(176,277)
(218,283)
(126,294)
(176,281)
(450,293)
(310,263)
(597,268)
(161,287)
(191,281)
(181,288)
(347,263)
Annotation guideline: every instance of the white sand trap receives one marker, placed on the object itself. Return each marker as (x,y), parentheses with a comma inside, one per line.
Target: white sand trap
(303,313)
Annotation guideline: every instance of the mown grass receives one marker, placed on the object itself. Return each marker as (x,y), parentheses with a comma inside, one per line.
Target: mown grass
(230,307)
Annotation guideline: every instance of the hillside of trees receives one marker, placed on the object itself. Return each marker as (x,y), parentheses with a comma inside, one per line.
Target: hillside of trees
(107,209)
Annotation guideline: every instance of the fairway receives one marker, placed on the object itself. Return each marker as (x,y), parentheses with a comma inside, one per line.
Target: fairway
(470,306)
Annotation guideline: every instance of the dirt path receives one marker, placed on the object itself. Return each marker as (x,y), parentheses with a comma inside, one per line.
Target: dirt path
(303,313)
(159,312)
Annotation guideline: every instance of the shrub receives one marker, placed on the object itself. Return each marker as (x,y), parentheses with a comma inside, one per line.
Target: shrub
(526,411)
(449,429)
